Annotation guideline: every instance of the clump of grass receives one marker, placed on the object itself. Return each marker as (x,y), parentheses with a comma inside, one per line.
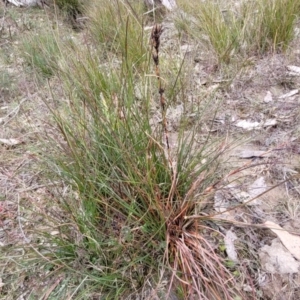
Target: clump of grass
(254,27)
(134,192)
(210,23)
(41,52)
(118,28)
(272,24)
(72,8)
(127,219)
(221,30)
(8,87)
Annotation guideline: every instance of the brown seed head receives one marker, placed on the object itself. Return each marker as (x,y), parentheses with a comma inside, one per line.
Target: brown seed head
(155,40)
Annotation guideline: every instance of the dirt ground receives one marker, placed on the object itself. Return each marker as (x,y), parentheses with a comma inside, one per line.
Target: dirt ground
(259,116)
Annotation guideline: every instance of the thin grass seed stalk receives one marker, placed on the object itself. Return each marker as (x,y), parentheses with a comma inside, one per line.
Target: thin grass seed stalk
(195,265)
(155,40)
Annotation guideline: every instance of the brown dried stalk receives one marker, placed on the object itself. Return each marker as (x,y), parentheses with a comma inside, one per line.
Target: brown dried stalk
(155,41)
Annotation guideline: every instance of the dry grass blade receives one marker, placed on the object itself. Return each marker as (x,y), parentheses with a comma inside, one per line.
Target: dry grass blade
(195,263)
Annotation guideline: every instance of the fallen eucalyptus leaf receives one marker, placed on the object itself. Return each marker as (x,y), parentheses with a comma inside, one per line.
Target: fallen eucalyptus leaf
(247,124)
(289,94)
(54,232)
(290,241)
(10,142)
(229,239)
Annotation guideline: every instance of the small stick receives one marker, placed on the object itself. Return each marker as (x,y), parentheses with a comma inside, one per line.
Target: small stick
(19,221)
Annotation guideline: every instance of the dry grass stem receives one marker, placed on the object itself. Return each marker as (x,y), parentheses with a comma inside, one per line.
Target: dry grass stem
(155,42)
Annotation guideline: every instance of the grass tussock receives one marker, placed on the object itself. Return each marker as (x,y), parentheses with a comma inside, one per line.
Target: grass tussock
(133,194)
(273,25)
(125,224)
(131,218)
(73,8)
(219,29)
(41,52)
(117,26)
(253,27)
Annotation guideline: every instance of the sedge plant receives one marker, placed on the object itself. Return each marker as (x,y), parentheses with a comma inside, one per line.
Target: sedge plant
(124,221)
(271,24)
(127,195)
(41,52)
(252,27)
(72,8)
(131,190)
(216,28)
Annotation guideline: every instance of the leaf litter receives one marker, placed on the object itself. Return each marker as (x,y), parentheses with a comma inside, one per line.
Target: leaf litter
(290,241)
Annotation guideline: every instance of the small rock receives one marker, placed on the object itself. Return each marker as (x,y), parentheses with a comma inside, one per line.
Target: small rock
(221,203)
(268,98)
(276,259)
(258,187)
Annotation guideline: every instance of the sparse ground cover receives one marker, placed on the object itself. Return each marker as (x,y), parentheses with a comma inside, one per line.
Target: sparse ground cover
(146,164)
